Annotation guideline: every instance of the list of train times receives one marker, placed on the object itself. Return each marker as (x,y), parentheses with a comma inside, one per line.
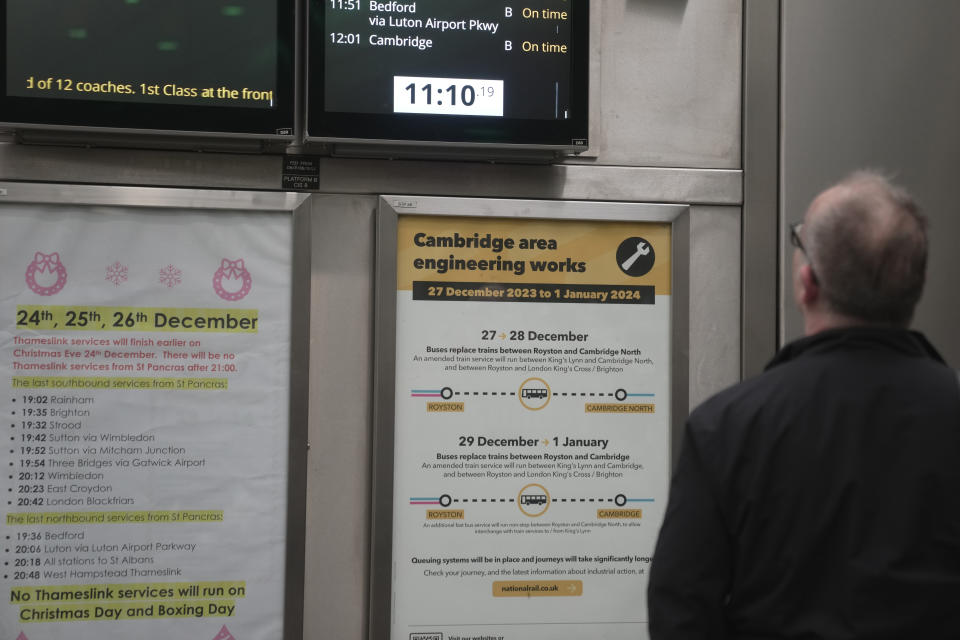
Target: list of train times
(466,58)
(144,368)
(532,426)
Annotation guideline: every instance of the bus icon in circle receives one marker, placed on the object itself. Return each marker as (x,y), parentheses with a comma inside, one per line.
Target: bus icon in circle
(533,500)
(534,393)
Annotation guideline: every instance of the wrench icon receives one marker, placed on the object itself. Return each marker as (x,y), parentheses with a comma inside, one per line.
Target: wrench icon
(642,249)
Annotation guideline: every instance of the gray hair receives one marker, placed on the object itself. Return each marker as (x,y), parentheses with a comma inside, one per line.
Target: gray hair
(868,244)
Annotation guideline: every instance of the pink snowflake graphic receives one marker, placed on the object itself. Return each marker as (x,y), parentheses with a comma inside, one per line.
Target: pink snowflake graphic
(22,636)
(170,276)
(116,273)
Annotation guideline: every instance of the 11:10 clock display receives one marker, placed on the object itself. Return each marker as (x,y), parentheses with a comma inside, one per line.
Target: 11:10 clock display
(452,96)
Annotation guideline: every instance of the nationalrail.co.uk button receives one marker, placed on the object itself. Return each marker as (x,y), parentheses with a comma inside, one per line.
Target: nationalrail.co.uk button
(537,588)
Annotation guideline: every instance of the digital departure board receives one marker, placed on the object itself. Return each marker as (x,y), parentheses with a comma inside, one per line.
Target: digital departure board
(486,72)
(223,66)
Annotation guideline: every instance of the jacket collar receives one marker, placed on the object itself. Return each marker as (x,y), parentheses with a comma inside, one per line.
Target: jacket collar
(905,341)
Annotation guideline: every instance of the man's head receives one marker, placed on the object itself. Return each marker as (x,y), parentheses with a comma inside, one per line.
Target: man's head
(864,255)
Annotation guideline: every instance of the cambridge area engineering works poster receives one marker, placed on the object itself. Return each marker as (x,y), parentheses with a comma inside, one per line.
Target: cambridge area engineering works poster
(532,426)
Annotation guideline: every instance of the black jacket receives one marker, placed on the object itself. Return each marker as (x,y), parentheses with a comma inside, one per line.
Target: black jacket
(818,500)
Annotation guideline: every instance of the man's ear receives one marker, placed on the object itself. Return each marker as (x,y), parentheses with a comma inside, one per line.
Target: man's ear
(809,286)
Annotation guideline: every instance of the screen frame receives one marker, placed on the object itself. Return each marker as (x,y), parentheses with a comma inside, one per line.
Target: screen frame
(406,129)
(64,114)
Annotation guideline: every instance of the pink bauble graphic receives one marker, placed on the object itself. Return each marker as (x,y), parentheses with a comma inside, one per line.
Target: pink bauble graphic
(232,281)
(50,272)
(224,634)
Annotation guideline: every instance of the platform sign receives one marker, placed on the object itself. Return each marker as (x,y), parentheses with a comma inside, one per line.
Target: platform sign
(532,426)
(144,369)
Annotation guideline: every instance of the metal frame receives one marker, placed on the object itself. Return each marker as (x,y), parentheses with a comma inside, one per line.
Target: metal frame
(761,196)
(372,177)
(298,445)
(385,316)
(243,201)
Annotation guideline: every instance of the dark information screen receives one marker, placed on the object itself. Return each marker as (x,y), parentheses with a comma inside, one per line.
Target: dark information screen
(445,60)
(151,51)
(501,60)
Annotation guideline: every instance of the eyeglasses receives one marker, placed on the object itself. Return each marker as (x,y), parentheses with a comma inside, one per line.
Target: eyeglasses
(795,229)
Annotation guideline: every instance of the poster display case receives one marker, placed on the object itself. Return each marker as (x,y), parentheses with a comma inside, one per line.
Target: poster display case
(529,380)
(152,410)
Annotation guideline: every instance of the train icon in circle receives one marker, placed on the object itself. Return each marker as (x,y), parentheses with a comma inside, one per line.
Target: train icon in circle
(534,393)
(533,500)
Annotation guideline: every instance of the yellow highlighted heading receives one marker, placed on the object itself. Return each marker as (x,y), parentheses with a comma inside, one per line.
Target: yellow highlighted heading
(611,407)
(127,592)
(444,514)
(473,252)
(114,517)
(135,384)
(444,407)
(153,319)
(632,514)
(140,611)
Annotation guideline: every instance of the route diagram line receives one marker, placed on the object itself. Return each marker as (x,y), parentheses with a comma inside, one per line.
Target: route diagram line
(447,393)
(437,500)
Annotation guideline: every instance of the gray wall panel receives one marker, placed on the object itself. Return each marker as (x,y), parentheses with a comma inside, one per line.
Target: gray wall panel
(668,81)
(874,83)
(714,300)
(341,350)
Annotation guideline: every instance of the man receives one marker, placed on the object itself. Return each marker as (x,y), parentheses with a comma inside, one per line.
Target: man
(822,498)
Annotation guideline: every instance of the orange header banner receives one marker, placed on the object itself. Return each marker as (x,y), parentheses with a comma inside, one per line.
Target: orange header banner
(465,250)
